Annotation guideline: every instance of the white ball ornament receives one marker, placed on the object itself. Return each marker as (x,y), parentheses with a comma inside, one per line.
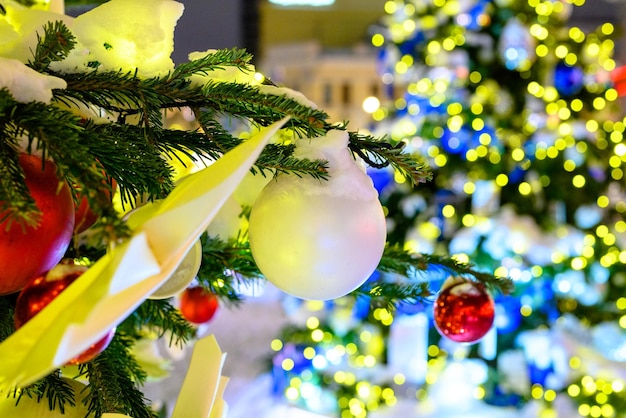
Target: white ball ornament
(319,239)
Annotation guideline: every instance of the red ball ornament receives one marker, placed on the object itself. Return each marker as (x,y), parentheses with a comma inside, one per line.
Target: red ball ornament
(198,305)
(38,293)
(464,311)
(28,252)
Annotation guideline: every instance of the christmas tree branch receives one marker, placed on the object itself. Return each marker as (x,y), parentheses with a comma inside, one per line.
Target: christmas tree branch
(54,388)
(161,317)
(410,265)
(113,377)
(378,154)
(55,45)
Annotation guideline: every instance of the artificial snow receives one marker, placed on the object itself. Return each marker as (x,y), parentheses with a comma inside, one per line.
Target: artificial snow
(25,84)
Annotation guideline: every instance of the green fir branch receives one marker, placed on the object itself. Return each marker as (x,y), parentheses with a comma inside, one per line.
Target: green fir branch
(226,264)
(233,57)
(245,101)
(398,261)
(7,307)
(55,45)
(58,392)
(161,317)
(113,378)
(378,154)
(388,295)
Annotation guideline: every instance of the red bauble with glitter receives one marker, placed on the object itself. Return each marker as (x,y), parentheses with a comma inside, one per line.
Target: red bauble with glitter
(464,311)
(38,293)
(198,305)
(27,252)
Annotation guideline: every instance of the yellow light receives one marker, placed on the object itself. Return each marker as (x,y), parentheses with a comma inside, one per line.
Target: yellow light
(479,392)
(494,157)
(607,411)
(577,35)
(551,94)
(584,410)
(454,109)
(391,7)
(469,187)
(287,364)
(340,376)
(471,155)
(378,40)
(611,95)
(542,50)
(401,67)
(502,180)
(561,51)
(440,160)
(478,124)
(476,108)
(448,211)
(564,113)
(434,47)
(309,353)
(578,263)
(317,335)
(312,322)
(536,391)
(461,258)
(370,361)
(292,393)
(579,181)
(518,154)
(569,165)
(524,188)
(607,28)
(599,103)
(276,344)
(371,104)
(576,105)
(468,220)
(526,310)
(602,231)
(534,88)
(449,44)
(475,77)
(617,174)
(399,379)
(501,271)
(573,390)
(575,363)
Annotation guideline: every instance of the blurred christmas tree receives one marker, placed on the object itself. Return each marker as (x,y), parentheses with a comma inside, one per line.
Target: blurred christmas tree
(520,119)
(128,206)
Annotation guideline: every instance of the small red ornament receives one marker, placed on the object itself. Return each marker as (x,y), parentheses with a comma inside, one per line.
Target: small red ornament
(198,305)
(464,311)
(28,252)
(85,217)
(38,293)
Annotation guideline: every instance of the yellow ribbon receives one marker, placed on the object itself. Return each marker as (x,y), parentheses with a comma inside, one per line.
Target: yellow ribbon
(121,280)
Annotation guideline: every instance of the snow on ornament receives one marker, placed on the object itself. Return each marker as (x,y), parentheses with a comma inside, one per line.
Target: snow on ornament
(317,239)
(464,311)
(28,252)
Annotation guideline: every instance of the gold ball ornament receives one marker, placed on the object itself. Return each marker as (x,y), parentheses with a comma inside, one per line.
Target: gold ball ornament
(319,239)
